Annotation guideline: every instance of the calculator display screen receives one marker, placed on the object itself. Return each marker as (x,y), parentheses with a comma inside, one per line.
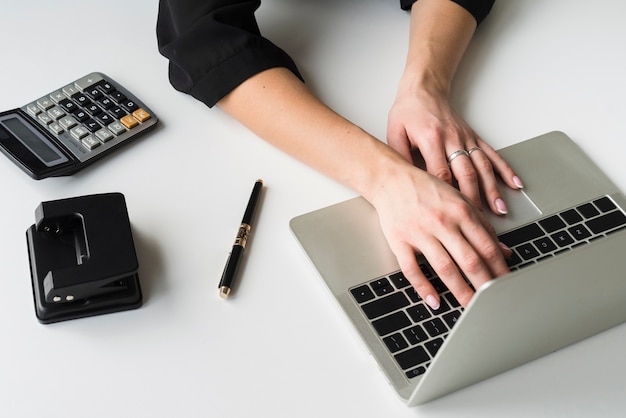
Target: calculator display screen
(33,140)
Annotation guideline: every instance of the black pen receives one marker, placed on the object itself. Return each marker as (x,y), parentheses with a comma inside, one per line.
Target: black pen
(234,259)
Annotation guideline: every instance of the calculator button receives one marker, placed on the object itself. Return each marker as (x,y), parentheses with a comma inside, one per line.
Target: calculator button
(130,106)
(80,115)
(93,92)
(68,105)
(90,142)
(92,125)
(85,82)
(67,122)
(117,96)
(105,86)
(141,115)
(57,96)
(104,135)
(81,99)
(117,128)
(105,118)
(129,121)
(93,109)
(56,113)
(45,103)
(56,128)
(70,90)
(45,119)
(33,109)
(117,112)
(79,132)
(105,102)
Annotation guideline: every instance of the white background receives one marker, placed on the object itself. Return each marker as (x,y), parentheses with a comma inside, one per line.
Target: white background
(280,346)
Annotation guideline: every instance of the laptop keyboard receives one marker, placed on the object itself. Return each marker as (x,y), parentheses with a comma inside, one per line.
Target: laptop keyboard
(413,332)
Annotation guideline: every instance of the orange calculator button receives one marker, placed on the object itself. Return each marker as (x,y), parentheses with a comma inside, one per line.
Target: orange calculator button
(129,121)
(141,115)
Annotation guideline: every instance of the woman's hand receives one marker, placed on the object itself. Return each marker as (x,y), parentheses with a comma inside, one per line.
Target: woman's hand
(451,149)
(420,213)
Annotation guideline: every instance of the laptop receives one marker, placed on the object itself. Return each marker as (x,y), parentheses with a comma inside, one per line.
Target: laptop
(567,282)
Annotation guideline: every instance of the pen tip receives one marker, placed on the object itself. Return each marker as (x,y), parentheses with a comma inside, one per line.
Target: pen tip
(224,292)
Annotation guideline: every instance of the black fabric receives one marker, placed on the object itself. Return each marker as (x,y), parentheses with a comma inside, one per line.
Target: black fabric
(478,8)
(214,45)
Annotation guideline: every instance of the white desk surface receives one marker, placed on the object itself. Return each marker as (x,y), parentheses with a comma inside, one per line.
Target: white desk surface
(280,347)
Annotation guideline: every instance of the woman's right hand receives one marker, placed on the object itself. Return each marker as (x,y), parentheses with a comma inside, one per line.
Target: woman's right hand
(420,213)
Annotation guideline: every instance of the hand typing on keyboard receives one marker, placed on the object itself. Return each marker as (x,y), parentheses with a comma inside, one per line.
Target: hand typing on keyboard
(445,226)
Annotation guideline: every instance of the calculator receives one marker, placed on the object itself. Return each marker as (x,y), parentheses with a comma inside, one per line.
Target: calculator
(61,132)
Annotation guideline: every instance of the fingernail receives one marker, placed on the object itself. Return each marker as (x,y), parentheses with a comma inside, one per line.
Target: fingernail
(518,182)
(504,246)
(501,206)
(432,302)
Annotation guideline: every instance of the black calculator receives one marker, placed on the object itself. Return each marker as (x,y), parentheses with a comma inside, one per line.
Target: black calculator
(63,131)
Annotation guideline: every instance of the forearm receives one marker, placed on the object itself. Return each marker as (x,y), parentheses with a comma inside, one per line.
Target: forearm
(278,107)
(439,35)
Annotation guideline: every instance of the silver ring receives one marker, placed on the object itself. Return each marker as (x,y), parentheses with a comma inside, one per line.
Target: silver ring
(456,154)
(469,151)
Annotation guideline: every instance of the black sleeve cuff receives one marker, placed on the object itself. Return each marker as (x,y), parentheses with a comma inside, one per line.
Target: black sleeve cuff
(478,8)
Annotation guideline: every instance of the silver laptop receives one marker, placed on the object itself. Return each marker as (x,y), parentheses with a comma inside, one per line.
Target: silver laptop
(566,282)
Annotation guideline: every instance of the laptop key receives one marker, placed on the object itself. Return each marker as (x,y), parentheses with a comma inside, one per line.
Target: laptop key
(579,232)
(394,322)
(434,346)
(588,210)
(362,293)
(415,335)
(399,280)
(552,223)
(385,305)
(521,235)
(416,372)
(412,357)
(435,327)
(571,216)
(395,342)
(604,204)
(605,222)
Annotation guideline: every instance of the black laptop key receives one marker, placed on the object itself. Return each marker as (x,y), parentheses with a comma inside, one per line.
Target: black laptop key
(579,232)
(411,358)
(545,245)
(451,318)
(521,235)
(385,305)
(604,204)
(394,322)
(434,346)
(562,238)
(605,222)
(571,216)
(395,342)
(419,312)
(588,210)
(415,335)
(362,293)
(416,372)
(399,280)
(552,223)
(435,327)
(527,251)
(381,286)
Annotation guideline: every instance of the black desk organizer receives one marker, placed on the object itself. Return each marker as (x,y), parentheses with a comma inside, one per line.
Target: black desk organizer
(82,258)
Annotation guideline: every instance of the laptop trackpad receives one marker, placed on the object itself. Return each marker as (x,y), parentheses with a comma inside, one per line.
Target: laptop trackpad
(521,210)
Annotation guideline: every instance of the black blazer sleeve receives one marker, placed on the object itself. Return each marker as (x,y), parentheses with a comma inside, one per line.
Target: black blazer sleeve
(478,8)
(214,45)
